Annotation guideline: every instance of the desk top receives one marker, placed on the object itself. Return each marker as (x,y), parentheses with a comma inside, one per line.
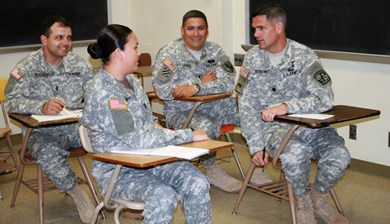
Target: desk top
(139,161)
(342,113)
(205,97)
(30,122)
(153,95)
(144,70)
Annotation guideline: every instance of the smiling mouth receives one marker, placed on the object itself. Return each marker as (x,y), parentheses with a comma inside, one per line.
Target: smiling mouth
(63,48)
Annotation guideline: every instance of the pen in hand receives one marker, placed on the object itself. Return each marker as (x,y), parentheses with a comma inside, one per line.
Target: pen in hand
(263,157)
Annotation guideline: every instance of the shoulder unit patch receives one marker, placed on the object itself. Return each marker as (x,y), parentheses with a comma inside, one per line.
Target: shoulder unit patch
(318,73)
(226,65)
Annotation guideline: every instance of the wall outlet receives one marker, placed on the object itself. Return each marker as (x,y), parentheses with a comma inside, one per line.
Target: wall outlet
(238,59)
(389,140)
(352,131)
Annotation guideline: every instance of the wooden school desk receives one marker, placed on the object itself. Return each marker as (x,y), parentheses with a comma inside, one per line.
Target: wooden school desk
(341,113)
(140,161)
(40,184)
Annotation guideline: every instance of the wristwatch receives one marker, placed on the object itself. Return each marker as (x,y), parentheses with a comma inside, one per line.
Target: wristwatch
(197,88)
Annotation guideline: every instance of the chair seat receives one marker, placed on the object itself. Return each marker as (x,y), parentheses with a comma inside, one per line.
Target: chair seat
(227,127)
(74,152)
(4,131)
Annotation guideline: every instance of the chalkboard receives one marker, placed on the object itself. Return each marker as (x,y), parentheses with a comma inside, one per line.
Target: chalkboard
(359,26)
(20,20)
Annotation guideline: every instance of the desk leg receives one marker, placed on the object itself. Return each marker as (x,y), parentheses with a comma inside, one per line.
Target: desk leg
(189,117)
(111,185)
(282,145)
(21,166)
(274,163)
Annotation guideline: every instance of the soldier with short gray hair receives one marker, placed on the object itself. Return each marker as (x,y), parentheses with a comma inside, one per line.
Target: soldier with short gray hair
(280,76)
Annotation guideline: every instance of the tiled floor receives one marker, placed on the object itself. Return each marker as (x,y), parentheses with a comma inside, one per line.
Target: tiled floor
(364,195)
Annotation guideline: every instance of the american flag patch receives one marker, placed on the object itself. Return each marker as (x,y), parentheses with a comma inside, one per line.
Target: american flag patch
(118,104)
(170,64)
(244,72)
(16,73)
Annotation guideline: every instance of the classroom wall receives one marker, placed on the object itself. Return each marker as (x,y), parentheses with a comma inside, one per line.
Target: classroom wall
(156,23)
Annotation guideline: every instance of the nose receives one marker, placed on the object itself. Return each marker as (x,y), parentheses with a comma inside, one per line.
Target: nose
(257,33)
(196,31)
(66,41)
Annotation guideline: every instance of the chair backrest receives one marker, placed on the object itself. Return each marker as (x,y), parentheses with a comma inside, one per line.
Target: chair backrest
(145,59)
(84,138)
(3,83)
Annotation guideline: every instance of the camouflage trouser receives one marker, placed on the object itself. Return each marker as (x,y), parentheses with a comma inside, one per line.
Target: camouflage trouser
(210,117)
(159,187)
(49,146)
(323,145)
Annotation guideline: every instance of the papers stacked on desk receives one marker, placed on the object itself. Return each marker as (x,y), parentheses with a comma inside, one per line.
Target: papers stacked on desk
(64,114)
(172,151)
(312,116)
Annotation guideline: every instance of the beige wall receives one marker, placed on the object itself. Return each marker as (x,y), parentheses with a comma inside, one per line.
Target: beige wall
(156,23)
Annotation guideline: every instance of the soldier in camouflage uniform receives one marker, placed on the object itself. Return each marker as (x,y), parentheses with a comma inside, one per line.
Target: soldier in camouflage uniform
(43,83)
(280,76)
(192,66)
(117,113)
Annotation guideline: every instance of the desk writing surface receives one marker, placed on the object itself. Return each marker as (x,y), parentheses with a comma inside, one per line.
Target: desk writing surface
(205,97)
(30,122)
(146,161)
(341,113)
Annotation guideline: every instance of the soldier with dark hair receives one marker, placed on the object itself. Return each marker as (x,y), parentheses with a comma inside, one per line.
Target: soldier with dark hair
(281,76)
(192,66)
(44,83)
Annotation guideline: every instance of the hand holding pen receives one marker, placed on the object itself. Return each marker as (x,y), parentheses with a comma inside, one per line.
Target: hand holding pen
(261,158)
(54,106)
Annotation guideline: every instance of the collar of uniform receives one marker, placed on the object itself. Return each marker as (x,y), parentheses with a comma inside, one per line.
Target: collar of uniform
(187,54)
(45,65)
(115,86)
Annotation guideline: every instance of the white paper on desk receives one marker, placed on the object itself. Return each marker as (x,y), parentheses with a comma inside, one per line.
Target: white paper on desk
(312,116)
(64,114)
(172,151)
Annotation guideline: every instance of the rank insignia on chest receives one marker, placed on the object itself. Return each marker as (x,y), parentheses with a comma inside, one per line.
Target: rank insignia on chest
(118,104)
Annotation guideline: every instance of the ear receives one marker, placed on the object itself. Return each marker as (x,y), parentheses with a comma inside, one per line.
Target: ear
(44,40)
(182,30)
(279,26)
(118,54)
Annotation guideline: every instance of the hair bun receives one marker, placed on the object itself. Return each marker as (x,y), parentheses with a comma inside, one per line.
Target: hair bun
(98,50)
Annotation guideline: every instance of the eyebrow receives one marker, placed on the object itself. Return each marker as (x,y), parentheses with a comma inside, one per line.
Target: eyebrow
(195,27)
